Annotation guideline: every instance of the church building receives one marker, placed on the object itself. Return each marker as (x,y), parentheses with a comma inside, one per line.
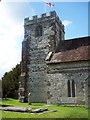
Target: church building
(53,70)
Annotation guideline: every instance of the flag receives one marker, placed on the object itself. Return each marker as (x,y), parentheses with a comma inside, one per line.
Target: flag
(49,4)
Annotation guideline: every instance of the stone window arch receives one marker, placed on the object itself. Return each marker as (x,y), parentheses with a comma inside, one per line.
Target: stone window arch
(73,88)
(38,31)
(60,34)
(53,26)
(69,88)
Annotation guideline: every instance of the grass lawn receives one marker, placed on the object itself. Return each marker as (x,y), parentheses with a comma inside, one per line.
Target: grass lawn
(62,111)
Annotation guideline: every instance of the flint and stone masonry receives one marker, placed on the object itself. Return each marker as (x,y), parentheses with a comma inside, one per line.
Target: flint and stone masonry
(51,79)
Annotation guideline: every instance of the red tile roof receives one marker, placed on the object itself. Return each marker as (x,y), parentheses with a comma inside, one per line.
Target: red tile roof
(80,53)
(72,50)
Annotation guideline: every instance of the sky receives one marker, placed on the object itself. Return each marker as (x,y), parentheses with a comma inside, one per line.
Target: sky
(74,16)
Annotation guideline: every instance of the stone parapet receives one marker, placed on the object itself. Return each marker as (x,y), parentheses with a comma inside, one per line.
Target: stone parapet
(44,17)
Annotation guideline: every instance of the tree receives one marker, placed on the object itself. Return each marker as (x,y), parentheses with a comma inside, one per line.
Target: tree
(10,82)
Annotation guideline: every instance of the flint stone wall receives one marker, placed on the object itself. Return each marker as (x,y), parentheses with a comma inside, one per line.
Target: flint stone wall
(39,47)
(58,76)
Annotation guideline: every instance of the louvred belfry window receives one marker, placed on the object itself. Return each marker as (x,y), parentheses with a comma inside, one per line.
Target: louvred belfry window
(38,31)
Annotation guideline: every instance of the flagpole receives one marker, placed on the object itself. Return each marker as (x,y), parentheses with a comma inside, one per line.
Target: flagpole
(48,4)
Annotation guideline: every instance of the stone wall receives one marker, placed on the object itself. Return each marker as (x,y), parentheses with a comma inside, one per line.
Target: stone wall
(39,47)
(58,76)
(87,92)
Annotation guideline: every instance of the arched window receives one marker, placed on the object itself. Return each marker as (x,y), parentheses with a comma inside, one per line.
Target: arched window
(73,88)
(69,88)
(53,26)
(60,34)
(38,31)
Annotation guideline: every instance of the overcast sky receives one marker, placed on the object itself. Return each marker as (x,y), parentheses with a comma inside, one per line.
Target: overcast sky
(74,16)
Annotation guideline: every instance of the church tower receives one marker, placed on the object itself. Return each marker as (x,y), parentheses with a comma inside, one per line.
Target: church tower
(41,37)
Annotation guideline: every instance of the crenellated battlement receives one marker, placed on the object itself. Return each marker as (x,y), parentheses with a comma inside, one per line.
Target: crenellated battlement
(44,17)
